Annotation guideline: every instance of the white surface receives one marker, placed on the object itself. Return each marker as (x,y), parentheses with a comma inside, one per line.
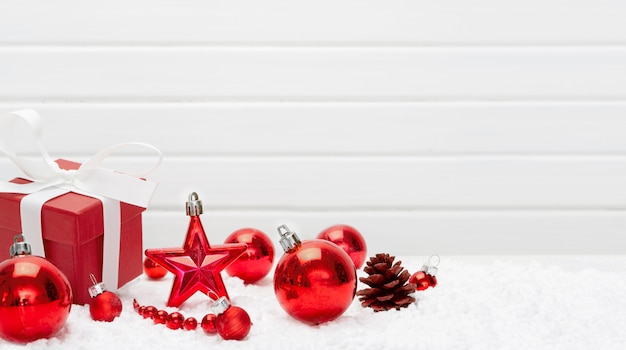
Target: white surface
(339,128)
(283,22)
(288,73)
(477,127)
(480,303)
(411,232)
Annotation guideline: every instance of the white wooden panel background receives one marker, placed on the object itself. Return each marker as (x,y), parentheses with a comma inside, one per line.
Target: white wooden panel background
(483,127)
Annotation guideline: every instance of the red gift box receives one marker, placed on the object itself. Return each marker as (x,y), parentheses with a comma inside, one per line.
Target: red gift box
(73,233)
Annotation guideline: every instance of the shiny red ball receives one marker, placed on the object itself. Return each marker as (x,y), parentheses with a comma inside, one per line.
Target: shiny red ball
(149,312)
(153,270)
(105,307)
(190,323)
(315,282)
(349,239)
(175,320)
(160,317)
(35,299)
(208,324)
(258,259)
(233,324)
(423,280)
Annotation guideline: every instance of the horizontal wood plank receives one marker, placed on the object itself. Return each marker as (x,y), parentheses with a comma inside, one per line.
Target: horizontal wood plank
(336,128)
(284,22)
(328,74)
(421,233)
(384,183)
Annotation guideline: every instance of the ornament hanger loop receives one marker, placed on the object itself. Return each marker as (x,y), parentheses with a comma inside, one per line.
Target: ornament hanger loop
(434,260)
(283,230)
(97,288)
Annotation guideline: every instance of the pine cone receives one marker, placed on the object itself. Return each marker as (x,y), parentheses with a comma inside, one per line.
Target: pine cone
(389,288)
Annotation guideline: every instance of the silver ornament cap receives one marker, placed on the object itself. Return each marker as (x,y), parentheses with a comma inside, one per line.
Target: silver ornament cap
(194,205)
(220,305)
(97,288)
(288,239)
(431,268)
(19,247)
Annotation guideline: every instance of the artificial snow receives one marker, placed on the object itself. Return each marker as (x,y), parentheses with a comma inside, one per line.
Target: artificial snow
(479,303)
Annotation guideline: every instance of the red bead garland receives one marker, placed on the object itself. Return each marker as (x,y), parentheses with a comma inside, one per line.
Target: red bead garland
(232,322)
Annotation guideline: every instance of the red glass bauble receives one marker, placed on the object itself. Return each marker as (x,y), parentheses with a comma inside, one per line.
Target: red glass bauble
(106,307)
(423,280)
(233,324)
(258,259)
(35,299)
(208,324)
(349,239)
(315,281)
(153,270)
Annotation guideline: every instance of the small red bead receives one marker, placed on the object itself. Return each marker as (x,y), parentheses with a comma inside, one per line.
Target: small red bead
(160,317)
(140,310)
(149,312)
(175,320)
(135,304)
(208,324)
(190,324)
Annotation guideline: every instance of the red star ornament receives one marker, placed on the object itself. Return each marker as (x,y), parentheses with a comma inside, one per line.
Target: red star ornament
(196,266)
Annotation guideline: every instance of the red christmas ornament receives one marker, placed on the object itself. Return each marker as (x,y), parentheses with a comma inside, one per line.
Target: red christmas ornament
(315,281)
(232,322)
(426,277)
(197,266)
(35,296)
(349,239)
(104,305)
(258,259)
(153,270)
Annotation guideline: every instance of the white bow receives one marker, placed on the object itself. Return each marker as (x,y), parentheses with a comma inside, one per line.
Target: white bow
(89,178)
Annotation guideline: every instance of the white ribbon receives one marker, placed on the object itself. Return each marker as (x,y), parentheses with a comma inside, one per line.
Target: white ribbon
(50,181)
